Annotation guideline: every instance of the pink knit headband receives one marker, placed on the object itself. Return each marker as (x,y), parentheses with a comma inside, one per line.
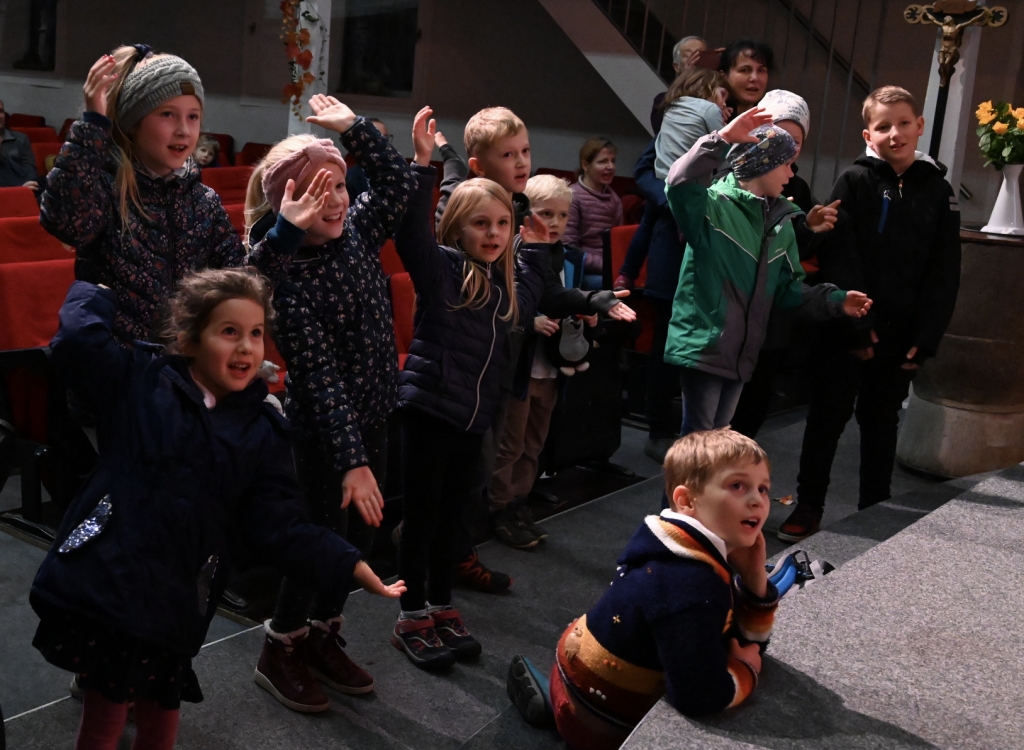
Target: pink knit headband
(297,166)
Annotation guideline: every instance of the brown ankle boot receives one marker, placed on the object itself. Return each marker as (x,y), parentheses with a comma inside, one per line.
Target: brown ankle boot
(282,674)
(326,659)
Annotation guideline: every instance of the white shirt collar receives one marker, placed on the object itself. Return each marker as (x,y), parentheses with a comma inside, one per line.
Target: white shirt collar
(208,398)
(691,521)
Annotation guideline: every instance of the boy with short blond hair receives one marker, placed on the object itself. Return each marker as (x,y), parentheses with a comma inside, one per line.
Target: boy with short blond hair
(688,615)
(897,237)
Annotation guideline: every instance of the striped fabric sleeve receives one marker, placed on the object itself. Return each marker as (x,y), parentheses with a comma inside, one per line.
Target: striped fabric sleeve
(754,616)
(744,677)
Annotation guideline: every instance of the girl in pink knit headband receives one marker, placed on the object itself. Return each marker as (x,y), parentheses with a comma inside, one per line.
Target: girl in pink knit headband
(336,335)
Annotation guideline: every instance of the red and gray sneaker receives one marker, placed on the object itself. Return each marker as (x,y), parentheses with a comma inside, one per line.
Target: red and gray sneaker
(453,633)
(474,574)
(420,642)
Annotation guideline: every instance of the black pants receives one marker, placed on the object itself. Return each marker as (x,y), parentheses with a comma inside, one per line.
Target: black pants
(322,485)
(752,409)
(662,378)
(441,473)
(843,385)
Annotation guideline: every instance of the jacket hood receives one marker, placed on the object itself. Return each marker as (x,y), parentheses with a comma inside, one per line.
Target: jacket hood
(667,537)
(873,161)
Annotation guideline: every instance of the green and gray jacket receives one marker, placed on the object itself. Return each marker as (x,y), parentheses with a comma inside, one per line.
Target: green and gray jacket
(741,258)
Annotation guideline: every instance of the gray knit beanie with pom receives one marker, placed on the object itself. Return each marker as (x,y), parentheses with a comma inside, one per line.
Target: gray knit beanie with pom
(151,84)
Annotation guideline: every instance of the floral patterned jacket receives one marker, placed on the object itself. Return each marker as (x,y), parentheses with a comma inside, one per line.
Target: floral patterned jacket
(186,228)
(335,328)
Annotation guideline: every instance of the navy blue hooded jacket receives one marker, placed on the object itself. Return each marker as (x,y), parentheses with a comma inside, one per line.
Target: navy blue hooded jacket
(457,357)
(185,483)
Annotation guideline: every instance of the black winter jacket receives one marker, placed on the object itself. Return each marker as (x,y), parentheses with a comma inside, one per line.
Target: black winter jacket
(187,229)
(457,356)
(185,484)
(335,329)
(898,240)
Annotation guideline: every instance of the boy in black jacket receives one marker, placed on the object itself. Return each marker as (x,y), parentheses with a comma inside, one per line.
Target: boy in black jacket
(897,238)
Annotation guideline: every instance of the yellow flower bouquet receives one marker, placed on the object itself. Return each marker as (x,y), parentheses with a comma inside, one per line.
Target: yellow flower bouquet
(1001,128)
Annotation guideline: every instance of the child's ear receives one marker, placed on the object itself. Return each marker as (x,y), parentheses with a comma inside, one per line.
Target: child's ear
(475,167)
(867,136)
(682,501)
(920,125)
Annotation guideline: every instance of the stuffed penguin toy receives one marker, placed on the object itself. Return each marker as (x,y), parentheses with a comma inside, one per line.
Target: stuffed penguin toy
(568,349)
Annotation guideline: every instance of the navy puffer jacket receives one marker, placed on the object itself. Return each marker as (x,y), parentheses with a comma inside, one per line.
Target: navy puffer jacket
(457,356)
(185,484)
(187,228)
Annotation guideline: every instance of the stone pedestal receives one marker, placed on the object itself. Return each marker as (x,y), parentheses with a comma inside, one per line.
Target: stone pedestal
(967,412)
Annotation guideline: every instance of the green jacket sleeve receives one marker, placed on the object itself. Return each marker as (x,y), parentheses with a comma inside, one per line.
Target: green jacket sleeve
(687,186)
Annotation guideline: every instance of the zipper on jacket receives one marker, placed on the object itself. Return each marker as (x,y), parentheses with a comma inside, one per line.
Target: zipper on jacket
(886,199)
(901,187)
(494,336)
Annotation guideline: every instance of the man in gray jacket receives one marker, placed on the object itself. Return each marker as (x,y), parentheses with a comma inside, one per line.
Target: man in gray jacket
(17,162)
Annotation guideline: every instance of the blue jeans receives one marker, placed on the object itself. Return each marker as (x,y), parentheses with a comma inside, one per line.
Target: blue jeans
(709,401)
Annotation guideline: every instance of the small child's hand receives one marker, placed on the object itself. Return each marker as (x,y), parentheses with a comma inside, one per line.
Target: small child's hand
(749,563)
(360,487)
(535,230)
(823,218)
(423,136)
(439,139)
(738,131)
(545,325)
(590,320)
(622,311)
(750,654)
(909,364)
(869,352)
(101,76)
(330,113)
(856,304)
(370,582)
(302,212)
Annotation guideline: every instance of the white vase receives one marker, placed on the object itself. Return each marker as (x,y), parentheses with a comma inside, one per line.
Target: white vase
(1007,217)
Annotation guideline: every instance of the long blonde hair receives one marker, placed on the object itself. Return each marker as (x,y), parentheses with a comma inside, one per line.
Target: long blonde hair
(476,286)
(256,204)
(127,186)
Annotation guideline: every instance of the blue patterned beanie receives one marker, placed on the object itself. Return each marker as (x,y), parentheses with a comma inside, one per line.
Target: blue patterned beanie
(774,148)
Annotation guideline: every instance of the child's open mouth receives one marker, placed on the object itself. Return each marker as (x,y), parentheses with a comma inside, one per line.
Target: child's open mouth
(751,523)
(240,370)
(178,149)
(333,219)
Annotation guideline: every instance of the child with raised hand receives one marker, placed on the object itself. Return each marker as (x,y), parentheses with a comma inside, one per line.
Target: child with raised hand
(689,612)
(336,335)
(595,208)
(470,290)
(192,464)
(741,259)
(125,192)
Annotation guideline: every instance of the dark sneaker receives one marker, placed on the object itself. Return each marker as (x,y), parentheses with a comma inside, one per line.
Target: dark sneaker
(525,516)
(802,522)
(418,639)
(474,574)
(527,694)
(327,661)
(622,282)
(282,674)
(511,529)
(450,629)
(656,448)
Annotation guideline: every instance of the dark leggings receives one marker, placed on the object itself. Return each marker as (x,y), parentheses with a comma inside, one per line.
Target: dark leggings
(440,476)
(322,485)
(662,378)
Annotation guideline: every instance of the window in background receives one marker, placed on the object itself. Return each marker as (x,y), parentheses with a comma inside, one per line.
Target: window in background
(378,40)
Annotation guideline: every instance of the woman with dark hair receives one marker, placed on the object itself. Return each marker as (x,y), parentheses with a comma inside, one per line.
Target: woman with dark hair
(746,65)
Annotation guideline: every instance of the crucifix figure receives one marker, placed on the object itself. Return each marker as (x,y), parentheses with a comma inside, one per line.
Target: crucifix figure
(953,16)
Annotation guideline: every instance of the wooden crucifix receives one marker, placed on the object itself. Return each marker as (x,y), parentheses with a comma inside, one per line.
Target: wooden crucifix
(953,16)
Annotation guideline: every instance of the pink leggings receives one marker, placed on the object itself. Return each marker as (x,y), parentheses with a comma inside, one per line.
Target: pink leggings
(103,722)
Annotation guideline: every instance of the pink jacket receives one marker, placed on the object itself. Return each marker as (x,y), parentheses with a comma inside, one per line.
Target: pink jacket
(590,214)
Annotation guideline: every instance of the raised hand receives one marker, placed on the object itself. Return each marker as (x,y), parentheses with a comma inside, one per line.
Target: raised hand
(439,139)
(856,304)
(330,113)
(424,133)
(372,583)
(823,218)
(302,212)
(360,487)
(97,83)
(535,230)
(545,326)
(739,129)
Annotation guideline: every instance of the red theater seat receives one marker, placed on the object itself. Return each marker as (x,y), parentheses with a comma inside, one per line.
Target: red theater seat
(16,202)
(229,182)
(632,209)
(43,150)
(23,240)
(15,120)
(403,304)
(63,134)
(236,212)
(251,154)
(615,242)
(39,135)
